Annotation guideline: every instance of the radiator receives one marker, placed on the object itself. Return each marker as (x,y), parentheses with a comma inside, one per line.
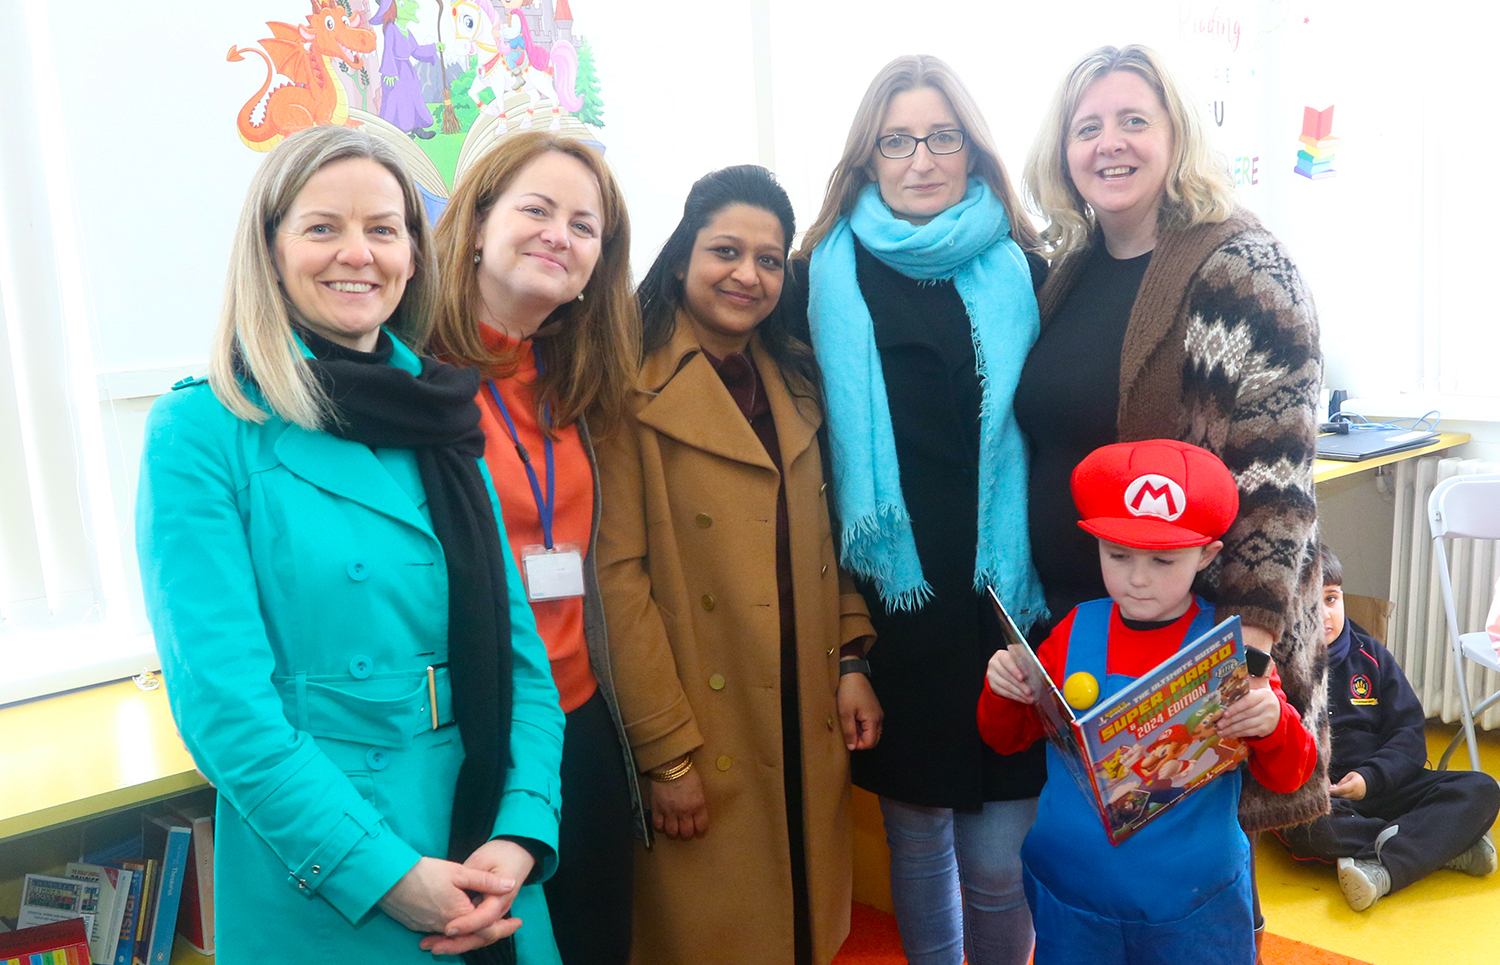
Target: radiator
(1418,628)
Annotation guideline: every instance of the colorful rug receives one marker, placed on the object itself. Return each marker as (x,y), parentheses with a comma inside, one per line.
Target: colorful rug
(874,940)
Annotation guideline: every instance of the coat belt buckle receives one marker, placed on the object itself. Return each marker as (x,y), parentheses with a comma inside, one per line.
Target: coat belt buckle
(432,694)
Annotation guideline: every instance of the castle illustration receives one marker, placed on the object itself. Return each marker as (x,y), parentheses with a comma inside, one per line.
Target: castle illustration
(549,24)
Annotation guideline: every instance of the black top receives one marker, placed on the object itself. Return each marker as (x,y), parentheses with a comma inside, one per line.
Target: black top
(1375,717)
(928,665)
(1067,403)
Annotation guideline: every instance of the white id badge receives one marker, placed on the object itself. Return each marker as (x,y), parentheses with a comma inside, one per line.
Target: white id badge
(554,574)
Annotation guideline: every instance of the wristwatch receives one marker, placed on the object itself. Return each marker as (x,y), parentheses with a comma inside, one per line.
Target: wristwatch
(854,665)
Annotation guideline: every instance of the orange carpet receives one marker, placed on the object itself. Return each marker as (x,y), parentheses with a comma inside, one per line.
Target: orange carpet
(874,940)
(1276,950)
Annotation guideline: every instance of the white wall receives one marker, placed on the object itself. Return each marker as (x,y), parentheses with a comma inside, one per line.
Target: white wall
(158,171)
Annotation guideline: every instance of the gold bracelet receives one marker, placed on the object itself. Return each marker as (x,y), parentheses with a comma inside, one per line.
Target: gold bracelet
(672,772)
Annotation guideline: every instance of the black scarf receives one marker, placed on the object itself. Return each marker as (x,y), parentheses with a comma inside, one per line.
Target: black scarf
(435,415)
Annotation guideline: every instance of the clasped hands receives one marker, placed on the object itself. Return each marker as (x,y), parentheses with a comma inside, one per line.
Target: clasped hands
(434,898)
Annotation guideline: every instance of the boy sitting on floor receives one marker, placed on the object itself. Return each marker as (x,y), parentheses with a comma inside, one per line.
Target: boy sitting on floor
(1393,821)
(1180,886)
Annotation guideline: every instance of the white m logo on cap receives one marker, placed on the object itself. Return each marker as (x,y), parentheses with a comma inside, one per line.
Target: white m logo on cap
(1153,495)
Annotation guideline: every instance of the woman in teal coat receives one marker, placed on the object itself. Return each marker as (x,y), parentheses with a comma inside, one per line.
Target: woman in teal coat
(348,651)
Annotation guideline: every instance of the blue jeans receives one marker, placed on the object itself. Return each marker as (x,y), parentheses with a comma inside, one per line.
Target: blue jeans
(956,882)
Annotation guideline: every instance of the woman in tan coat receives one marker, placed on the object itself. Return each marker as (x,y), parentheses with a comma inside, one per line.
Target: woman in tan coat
(740,643)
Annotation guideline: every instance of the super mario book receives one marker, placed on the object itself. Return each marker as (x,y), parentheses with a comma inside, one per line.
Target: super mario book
(1139,752)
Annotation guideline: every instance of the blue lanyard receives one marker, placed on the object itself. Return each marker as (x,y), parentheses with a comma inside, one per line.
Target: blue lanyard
(544,507)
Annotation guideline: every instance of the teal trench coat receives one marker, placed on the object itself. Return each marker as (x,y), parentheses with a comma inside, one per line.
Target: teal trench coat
(298,596)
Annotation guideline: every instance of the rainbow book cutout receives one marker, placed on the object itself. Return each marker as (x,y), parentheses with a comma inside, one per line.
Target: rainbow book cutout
(1153,743)
(1315,156)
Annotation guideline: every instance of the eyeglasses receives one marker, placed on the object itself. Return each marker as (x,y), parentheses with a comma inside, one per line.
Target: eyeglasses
(898,146)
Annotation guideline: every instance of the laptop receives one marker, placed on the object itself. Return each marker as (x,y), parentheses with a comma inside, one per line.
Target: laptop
(1368,443)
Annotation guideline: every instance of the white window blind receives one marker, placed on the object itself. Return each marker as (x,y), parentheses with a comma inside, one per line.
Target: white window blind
(63,618)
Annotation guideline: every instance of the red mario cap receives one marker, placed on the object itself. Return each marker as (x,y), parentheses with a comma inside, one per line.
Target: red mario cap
(1156,494)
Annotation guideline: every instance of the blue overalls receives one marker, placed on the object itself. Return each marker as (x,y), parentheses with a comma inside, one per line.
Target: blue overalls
(1175,892)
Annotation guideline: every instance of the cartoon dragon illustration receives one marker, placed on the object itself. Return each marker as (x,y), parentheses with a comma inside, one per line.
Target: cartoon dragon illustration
(304,54)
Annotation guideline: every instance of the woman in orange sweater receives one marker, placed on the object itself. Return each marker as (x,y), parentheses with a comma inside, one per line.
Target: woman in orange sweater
(533,255)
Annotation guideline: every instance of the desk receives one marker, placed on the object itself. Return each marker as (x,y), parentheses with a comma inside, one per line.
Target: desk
(78,755)
(1326,469)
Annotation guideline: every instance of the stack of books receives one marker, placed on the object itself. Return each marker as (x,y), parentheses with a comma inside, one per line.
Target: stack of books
(1315,156)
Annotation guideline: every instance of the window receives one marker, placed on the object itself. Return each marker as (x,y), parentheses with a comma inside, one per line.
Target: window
(65,613)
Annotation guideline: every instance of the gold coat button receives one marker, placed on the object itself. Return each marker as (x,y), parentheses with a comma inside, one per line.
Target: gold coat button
(705,521)
(716,681)
(830,651)
(825,570)
(725,762)
(832,724)
(822,489)
(708,602)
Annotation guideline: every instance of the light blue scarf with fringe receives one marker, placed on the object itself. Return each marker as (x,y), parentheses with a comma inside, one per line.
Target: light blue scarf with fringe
(971,244)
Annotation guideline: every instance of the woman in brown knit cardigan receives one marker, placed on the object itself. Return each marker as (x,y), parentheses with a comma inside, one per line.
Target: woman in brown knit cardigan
(1171,312)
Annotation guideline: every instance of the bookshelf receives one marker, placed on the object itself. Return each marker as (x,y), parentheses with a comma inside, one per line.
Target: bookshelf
(88,753)
(78,756)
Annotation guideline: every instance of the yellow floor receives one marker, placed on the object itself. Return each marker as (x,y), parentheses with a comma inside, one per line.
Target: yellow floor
(1446,918)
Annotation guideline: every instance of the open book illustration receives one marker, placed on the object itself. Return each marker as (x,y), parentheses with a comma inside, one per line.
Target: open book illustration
(1141,750)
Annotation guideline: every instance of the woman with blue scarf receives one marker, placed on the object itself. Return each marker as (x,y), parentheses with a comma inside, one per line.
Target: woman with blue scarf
(921,310)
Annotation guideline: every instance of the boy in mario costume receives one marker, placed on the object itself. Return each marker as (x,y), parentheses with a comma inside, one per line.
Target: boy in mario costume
(1393,821)
(1179,889)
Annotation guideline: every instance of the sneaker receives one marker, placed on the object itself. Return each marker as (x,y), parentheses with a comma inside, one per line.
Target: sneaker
(1478,858)
(1363,882)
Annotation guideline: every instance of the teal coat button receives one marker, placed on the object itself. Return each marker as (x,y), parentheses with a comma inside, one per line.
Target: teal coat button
(357,570)
(360,667)
(377,759)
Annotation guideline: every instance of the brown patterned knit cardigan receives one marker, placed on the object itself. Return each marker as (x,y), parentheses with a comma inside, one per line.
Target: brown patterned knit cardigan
(1222,351)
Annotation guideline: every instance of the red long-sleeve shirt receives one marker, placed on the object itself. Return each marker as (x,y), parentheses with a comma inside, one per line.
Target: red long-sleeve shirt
(1282,761)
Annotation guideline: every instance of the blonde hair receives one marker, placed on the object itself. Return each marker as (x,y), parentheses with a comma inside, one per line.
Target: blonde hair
(856,167)
(254,338)
(1199,189)
(589,363)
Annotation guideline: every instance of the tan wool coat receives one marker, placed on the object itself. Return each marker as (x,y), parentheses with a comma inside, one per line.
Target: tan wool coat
(687,563)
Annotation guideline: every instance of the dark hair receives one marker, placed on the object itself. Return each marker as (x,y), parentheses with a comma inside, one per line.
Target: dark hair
(1333,570)
(661,292)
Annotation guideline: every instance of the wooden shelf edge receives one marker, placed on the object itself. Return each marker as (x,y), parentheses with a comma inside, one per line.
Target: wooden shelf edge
(86,809)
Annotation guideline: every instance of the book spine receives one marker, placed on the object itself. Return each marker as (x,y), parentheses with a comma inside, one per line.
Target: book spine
(147,907)
(164,927)
(129,918)
(195,914)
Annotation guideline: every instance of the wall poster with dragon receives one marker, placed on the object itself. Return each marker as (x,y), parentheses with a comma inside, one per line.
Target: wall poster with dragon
(442,80)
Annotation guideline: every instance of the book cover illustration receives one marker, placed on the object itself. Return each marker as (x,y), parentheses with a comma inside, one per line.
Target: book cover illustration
(1153,743)
(47,899)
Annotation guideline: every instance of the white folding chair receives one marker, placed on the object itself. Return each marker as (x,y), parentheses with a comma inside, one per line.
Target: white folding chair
(1465,507)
